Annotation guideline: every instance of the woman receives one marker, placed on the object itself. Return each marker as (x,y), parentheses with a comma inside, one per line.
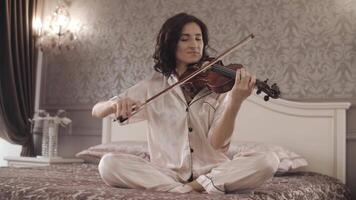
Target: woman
(189,131)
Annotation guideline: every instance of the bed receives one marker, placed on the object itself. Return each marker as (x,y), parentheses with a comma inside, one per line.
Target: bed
(316,131)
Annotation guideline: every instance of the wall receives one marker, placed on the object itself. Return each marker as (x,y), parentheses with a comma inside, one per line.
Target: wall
(306,46)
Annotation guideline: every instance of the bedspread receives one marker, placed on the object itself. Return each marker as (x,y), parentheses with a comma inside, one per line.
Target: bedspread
(82,181)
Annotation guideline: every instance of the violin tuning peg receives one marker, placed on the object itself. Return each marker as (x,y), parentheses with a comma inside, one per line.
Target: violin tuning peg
(266,98)
(258,92)
(266,81)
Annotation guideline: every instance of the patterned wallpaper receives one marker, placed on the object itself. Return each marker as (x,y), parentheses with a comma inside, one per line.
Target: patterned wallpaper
(306,46)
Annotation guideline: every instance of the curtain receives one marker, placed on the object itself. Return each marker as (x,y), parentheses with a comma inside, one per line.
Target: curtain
(18,59)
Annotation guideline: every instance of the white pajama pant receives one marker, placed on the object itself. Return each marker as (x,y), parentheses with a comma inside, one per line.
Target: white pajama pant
(240,174)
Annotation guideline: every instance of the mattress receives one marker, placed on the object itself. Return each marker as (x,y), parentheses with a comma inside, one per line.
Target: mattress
(82,181)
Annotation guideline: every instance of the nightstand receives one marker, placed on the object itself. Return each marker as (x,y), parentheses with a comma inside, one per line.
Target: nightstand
(17,161)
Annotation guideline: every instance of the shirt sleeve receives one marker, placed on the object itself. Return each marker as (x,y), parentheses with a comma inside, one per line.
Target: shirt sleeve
(137,92)
(221,104)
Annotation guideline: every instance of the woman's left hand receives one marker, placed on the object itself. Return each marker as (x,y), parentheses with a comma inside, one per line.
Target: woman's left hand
(244,85)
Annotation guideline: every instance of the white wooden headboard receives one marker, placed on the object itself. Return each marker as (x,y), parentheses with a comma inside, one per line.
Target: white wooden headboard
(316,131)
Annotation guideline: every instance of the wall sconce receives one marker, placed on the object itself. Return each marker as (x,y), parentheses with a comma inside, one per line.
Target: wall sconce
(58,32)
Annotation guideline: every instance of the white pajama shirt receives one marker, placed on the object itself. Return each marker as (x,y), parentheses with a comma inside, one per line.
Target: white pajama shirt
(179,144)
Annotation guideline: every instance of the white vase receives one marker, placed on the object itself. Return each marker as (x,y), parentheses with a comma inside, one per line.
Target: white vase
(52,139)
(45,137)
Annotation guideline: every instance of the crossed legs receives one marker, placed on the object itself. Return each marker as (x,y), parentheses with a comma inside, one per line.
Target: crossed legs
(242,173)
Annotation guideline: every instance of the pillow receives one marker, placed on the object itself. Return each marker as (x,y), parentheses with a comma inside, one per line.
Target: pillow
(93,154)
(289,160)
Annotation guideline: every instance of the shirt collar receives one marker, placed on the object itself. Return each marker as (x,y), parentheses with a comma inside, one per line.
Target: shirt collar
(172,79)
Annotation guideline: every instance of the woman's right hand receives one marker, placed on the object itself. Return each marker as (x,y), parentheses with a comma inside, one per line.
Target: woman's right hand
(123,107)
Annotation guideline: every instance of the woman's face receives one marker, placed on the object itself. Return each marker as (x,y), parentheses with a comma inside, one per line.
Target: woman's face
(190,45)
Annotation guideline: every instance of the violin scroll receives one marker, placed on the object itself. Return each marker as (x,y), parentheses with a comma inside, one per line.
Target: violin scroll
(270,91)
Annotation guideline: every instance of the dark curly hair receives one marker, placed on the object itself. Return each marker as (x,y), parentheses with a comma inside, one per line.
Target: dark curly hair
(167,39)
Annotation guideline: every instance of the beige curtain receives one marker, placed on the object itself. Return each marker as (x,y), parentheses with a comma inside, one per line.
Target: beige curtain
(18,61)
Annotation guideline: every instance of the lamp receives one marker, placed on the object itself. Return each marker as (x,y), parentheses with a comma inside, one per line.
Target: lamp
(57,33)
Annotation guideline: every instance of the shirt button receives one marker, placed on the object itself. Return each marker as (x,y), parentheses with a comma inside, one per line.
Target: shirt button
(190,129)
(191,150)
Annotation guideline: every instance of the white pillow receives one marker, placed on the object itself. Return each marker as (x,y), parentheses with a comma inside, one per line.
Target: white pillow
(93,154)
(289,160)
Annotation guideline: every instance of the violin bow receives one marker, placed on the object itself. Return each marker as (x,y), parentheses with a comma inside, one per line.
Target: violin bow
(201,69)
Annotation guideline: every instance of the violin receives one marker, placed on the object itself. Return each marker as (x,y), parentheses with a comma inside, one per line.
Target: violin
(221,79)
